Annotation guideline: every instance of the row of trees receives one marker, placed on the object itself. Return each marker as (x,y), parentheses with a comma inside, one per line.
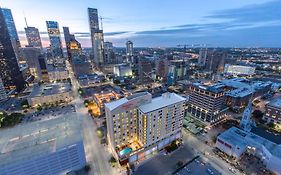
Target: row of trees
(7,120)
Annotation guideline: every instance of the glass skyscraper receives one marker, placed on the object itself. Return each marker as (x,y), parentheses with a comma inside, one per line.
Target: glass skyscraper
(55,41)
(96,37)
(73,47)
(9,20)
(9,69)
(33,37)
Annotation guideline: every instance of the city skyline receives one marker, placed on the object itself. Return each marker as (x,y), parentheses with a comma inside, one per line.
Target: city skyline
(231,24)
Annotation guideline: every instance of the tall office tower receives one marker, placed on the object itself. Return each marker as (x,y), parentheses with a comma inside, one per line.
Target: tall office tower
(9,68)
(109,55)
(215,61)
(129,51)
(3,94)
(139,126)
(145,71)
(96,37)
(7,13)
(55,41)
(33,37)
(178,70)
(31,54)
(73,47)
(206,103)
(161,68)
(203,56)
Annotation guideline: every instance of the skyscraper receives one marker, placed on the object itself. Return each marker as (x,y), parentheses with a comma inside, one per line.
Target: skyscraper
(3,94)
(55,42)
(215,61)
(93,19)
(33,37)
(129,51)
(9,69)
(31,55)
(8,17)
(72,45)
(109,55)
(145,71)
(96,37)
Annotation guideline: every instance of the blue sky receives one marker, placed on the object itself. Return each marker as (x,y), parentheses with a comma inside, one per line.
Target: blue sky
(160,23)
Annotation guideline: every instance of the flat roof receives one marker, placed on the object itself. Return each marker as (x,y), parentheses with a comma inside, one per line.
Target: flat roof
(276,103)
(216,88)
(27,141)
(275,138)
(159,102)
(256,138)
(114,104)
(50,89)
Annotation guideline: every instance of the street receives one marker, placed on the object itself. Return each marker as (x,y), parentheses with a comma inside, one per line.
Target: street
(97,155)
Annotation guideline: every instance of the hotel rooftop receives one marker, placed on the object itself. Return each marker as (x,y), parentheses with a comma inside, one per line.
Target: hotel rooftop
(159,102)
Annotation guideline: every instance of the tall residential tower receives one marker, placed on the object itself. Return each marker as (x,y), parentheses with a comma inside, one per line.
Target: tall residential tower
(96,37)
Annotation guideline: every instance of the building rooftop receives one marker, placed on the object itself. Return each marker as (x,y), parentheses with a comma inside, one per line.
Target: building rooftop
(159,102)
(24,142)
(275,138)
(49,89)
(276,103)
(212,88)
(114,104)
(256,138)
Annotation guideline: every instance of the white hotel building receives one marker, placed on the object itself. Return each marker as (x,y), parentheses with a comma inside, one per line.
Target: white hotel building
(140,126)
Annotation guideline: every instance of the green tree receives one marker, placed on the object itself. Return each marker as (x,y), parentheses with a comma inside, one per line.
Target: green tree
(24,104)
(100,133)
(3,115)
(12,119)
(214,139)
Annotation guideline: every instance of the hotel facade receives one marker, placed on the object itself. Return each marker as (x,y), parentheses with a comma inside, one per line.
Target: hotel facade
(140,126)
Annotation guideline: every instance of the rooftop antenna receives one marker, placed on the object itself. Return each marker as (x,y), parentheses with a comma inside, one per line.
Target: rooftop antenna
(25,19)
(101,18)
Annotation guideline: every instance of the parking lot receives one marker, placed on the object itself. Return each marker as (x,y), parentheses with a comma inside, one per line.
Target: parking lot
(198,166)
(50,113)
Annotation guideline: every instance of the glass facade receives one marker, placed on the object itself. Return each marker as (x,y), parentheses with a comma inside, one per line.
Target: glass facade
(33,37)
(55,41)
(9,69)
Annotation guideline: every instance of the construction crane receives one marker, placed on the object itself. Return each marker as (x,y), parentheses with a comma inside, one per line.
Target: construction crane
(192,45)
(101,19)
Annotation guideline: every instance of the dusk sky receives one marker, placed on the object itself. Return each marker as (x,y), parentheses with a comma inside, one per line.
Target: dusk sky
(155,23)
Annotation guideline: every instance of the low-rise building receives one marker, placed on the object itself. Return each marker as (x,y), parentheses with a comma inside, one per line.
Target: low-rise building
(239,70)
(267,146)
(240,90)
(50,94)
(123,70)
(273,111)
(140,126)
(57,73)
(43,147)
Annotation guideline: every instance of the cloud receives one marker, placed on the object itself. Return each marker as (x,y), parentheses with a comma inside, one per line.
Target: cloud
(256,25)
(269,11)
